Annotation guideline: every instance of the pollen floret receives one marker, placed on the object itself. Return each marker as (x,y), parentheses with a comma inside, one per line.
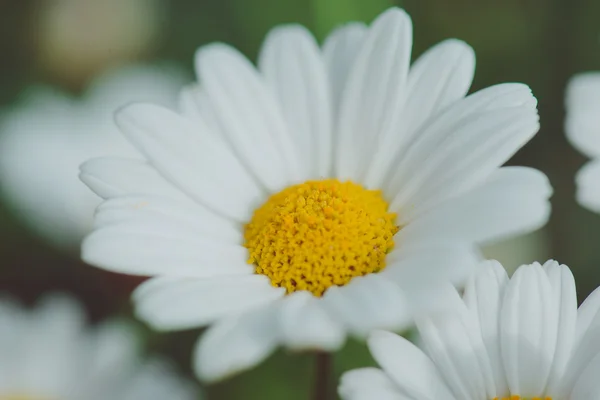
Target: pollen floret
(320,233)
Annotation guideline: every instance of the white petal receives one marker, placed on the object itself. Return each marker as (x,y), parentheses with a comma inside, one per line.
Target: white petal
(340,50)
(441,76)
(469,152)
(113,353)
(45,354)
(161,248)
(366,303)
(528,331)
(587,340)
(190,215)
(170,304)
(111,177)
(294,68)
(413,267)
(248,115)
(587,385)
(236,344)
(306,325)
(588,315)
(187,102)
(368,383)
(495,121)
(582,123)
(565,302)
(512,201)
(454,344)
(155,379)
(188,156)
(588,189)
(414,373)
(483,296)
(374,92)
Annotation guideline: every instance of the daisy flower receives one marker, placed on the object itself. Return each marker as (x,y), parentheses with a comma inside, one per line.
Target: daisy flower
(327,192)
(50,353)
(522,338)
(44,139)
(583,131)
(75,39)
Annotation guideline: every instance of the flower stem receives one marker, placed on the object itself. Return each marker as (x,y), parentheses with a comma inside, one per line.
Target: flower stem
(323,372)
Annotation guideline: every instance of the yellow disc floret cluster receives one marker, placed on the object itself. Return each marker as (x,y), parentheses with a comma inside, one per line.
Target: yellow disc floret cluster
(516,397)
(320,233)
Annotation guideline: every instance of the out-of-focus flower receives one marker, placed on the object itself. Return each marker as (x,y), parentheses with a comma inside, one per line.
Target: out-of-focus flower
(48,135)
(50,353)
(271,210)
(583,131)
(76,39)
(522,338)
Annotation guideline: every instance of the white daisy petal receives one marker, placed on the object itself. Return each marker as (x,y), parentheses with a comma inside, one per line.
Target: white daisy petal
(368,383)
(248,115)
(587,386)
(59,356)
(340,50)
(588,190)
(294,68)
(456,348)
(565,297)
(164,249)
(374,92)
(195,104)
(588,315)
(236,344)
(441,76)
(111,177)
(113,353)
(157,208)
(438,78)
(414,267)
(504,339)
(509,203)
(528,331)
(190,303)
(413,372)
(483,296)
(586,341)
(305,325)
(461,127)
(582,122)
(187,155)
(187,102)
(48,134)
(471,151)
(366,303)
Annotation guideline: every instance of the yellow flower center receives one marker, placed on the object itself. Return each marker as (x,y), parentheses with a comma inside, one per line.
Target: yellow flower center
(515,397)
(320,233)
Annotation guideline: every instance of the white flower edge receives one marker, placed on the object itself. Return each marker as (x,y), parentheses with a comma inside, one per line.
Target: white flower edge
(178,216)
(523,336)
(50,351)
(49,133)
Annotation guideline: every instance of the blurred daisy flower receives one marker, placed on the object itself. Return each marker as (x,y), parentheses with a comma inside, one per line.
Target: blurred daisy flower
(77,39)
(45,138)
(522,338)
(328,192)
(50,353)
(583,131)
